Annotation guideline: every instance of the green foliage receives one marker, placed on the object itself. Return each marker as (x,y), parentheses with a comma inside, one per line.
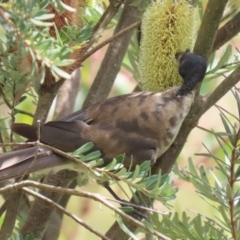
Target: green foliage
(224,65)
(157,186)
(26,25)
(19,237)
(25,31)
(221,193)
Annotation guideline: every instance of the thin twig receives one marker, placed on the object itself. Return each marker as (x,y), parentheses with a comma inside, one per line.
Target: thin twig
(103,22)
(57,206)
(25,112)
(102,18)
(74,192)
(112,61)
(112,38)
(220,90)
(227,32)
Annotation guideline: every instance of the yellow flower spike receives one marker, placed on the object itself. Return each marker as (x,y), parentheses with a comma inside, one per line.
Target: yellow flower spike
(235,3)
(167,28)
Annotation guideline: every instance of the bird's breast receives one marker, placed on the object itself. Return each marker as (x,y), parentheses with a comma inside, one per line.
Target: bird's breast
(171,112)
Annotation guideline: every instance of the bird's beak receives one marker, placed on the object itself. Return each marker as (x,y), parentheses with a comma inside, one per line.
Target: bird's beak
(179,55)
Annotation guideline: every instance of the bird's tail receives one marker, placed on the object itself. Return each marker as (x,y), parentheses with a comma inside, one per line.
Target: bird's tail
(29,160)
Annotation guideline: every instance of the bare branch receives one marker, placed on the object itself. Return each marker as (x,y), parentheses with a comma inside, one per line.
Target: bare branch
(62,190)
(40,212)
(103,22)
(112,61)
(221,90)
(67,95)
(57,206)
(211,19)
(46,96)
(11,215)
(227,32)
(112,38)
(203,46)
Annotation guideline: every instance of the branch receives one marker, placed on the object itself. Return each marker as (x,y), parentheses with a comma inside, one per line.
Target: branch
(210,22)
(57,206)
(11,215)
(112,61)
(221,90)
(63,190)
(112,38)
(103,22)
(40,212)
(46,95)
(227,32)
(67,95)
(203,47)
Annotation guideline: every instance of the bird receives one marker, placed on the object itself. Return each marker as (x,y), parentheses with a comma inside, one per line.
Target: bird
(140,125)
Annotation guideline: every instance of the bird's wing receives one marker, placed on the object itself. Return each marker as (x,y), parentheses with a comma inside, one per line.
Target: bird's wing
(115,126)
(112,125)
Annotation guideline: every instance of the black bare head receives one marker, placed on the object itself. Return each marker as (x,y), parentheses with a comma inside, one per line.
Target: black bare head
(192,69)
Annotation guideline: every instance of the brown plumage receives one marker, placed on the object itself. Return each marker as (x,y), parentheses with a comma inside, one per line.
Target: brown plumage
(140,125)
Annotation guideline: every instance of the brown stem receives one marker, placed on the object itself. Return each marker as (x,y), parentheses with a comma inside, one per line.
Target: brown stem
(227,32)
(103,22)
(112,61)
(210,22)
(13,204)
(40,212)
(67,95)
(221,90)
(111,39)
(45,98)
(203,46)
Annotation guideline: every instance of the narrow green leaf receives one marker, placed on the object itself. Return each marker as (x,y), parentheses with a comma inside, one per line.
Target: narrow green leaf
(124,227)
(60,72)
(46,16)
(40,23)
(85,148)
(224,59)
(148,226)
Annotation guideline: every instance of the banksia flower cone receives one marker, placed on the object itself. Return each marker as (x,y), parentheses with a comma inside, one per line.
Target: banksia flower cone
(167,28)
(235,3)
(60,20)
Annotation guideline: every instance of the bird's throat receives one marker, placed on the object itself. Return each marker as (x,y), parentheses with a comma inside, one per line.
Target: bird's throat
(187,87)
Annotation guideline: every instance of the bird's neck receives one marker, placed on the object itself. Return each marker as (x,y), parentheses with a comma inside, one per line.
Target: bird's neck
(187,87)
